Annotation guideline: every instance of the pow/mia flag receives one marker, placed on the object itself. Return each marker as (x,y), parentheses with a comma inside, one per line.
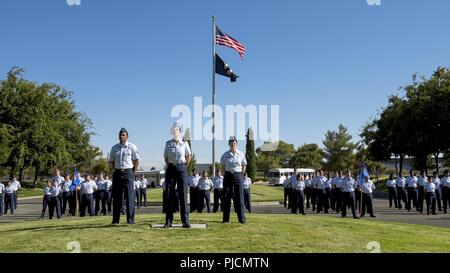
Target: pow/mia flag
(223,69)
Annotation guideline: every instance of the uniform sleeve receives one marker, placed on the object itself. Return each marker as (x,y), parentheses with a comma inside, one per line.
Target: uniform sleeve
(244,160)
(166,152)
(135,153)
(187,150)
(222,159)
(111,155)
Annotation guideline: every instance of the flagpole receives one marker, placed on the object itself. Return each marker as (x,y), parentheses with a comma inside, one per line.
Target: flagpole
(213,93)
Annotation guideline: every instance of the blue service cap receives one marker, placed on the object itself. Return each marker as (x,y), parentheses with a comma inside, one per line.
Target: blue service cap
(123,130)
(232,138)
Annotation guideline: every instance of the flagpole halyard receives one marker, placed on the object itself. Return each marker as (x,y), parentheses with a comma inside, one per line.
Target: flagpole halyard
(213,92)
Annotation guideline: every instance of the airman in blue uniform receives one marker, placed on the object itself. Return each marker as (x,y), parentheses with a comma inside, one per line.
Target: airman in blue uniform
(320,186)
(411,182)
(437,183)
(87,189)
(308,190)
(66,193)
(205,185)
(445,187)
(177,154)
(55,203)
(57,176)
(108,193)
(430,195)
(235,164)
(9,197)
(392,190)
(47,198)
(193,190)
(247,193)
(144,186)
(400,184)
(287,193)
(137,192)
(366,188)
(218,191)
(348,193)
(298,187)
(100,194)
(336,191)
(74,194)
(16,187)
(124,158)
(421,182)
(329,200)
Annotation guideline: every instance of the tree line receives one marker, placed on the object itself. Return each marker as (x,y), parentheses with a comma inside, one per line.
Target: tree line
(415,124)
(338,153)
(40,128)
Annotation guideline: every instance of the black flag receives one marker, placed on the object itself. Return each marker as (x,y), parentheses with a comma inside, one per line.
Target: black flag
(223,69)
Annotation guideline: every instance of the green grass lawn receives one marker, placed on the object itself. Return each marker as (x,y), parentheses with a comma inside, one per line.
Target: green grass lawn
(27,189)
(265,193)
(262,233)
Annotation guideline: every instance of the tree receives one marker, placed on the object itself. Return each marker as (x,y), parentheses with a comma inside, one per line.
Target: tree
(415,125)
(280,151)
(193,162)
(388,135)
(308,156)
(250,154)
(101,166)
(338,152)
(44,130)
(266,162)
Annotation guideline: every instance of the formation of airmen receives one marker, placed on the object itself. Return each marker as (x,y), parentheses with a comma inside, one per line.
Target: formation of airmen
(324,193)
(320,193)
(413,191)
(200,188)
(8,195)
(81,193)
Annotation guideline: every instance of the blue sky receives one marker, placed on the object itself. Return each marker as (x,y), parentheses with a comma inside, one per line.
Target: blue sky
(324,62)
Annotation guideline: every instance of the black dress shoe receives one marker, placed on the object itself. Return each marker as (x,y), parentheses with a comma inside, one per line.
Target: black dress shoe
(356,217)
(373,216)
(131,223)
(187,225)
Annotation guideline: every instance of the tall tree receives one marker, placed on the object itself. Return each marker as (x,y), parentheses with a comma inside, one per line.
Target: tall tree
(339,150)
(44,130)
(193,162)
(416,124)
(308,156)
(280,151)
(250,154)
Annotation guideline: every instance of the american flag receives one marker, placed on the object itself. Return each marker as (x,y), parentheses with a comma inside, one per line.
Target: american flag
(226,40)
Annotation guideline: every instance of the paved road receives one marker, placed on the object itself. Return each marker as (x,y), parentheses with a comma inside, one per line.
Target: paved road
(30,209)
